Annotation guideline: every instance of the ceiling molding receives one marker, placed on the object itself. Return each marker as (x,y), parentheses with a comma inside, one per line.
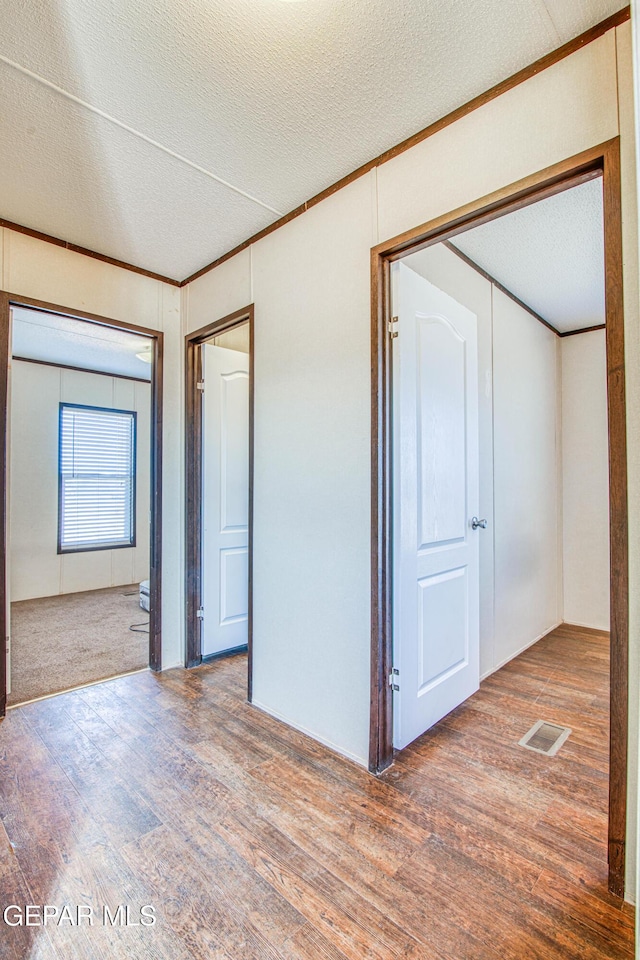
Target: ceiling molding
(69,366)
(572,333)
(520,77)
(594,33)
(487,276)
(74,248)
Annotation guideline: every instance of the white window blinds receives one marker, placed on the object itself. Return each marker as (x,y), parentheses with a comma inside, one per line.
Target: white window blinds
(97,478)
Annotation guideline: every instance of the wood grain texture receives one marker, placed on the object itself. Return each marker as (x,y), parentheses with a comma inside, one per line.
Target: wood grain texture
(572,333)
(155,553)
(618,514)
(193,501)
(254,842)
(380,707)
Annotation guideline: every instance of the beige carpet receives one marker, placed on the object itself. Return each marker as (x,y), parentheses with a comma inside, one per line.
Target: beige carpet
(62,642)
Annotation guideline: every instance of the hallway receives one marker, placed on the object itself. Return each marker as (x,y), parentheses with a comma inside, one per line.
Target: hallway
(251,840)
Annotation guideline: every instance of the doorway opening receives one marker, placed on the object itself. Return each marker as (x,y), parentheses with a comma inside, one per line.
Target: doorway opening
(477,447)
(219,475)
(81,503)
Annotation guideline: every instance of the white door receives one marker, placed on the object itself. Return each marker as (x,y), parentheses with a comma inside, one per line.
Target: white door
(435,497)
(225,499)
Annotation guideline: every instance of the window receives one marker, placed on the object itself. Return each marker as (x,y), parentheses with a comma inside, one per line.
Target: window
(97,478)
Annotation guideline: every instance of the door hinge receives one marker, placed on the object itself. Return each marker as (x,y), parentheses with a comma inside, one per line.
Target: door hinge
(200,613)
(394,677)
(392,326)
(200,386)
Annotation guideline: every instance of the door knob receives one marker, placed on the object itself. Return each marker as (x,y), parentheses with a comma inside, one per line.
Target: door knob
(475,523)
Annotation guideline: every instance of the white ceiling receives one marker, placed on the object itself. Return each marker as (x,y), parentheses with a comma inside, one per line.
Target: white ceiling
(276,100)
(37,335)
(549,254)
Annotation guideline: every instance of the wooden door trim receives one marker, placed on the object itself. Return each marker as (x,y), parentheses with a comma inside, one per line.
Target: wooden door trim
(193,467)
(8,300)
(602,160)
(70,366)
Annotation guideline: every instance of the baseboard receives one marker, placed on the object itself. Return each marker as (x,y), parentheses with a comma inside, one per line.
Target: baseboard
(313,736)
(521,650)
(234,651)
(586,628)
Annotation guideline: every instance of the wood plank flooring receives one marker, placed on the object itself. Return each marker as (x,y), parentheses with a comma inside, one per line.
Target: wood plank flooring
(253,842)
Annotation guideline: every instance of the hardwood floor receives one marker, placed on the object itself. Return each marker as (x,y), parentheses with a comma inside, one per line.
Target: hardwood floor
(253,841)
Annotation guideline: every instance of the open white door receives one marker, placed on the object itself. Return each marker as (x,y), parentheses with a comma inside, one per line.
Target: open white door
(225,499)
(435,501)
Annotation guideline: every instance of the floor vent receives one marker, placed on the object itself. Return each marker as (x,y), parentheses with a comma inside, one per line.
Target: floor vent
(545,738)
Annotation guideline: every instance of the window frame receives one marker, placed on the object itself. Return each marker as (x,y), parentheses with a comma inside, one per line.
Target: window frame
(62,550)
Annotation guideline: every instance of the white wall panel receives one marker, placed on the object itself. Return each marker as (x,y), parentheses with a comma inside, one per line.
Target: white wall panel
(36,569)
(526,452)
(33,499)
(311,487)
(585,459)
(34,268)
(565,109)
(43,271)
(173,648)
(310,286)
(140,557)
(219,292)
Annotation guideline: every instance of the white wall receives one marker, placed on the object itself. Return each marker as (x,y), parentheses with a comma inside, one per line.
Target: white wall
(238,338)
(34,268)
(36,569)
(585,459)
(310,284)
(528,574)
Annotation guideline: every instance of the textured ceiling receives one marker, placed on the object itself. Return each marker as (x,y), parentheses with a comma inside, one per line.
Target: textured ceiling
(549,254)
(224,114)
(46,336)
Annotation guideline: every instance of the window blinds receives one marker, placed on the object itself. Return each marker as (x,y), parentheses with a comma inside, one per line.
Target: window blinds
(97,478)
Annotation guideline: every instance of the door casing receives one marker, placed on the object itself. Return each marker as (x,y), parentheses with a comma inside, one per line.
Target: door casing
(8,300)
(602,160)
(193,470)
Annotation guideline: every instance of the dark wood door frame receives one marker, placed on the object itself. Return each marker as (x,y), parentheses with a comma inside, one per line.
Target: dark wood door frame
(193,466)
(8,300)
(604,161)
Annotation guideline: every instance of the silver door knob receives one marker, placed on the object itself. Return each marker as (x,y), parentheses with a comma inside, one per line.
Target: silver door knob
(475,523)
